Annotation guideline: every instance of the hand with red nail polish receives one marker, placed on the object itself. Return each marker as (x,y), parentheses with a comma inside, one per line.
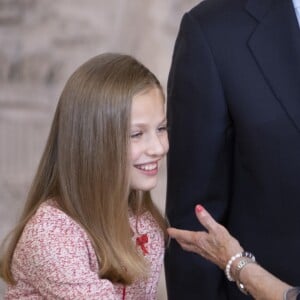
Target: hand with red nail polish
(220,247)
(215,244)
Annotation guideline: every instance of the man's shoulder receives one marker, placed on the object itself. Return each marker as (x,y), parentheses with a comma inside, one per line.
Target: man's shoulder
(215,8)
(220,16)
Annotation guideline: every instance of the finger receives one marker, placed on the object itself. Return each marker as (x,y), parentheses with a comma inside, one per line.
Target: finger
(185,236)
(188,240)
(190,248)
(205,218)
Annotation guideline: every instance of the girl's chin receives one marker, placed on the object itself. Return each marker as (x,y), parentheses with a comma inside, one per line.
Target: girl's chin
(144,187)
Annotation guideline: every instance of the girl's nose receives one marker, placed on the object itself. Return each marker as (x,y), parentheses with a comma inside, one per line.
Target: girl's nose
(158,145)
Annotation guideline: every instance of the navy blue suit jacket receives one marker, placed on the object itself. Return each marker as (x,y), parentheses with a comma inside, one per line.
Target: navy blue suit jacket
(234,113)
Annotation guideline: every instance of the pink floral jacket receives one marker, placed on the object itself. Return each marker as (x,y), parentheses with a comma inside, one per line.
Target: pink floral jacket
(54,259)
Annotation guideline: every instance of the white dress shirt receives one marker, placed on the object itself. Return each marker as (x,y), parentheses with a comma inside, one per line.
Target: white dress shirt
(297,9)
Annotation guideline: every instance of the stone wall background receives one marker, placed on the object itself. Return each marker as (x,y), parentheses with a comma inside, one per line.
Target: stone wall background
(42,42)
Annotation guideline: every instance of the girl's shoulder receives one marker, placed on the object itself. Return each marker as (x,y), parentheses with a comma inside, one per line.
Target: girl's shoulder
(50,218)
(51,237)
(51,225)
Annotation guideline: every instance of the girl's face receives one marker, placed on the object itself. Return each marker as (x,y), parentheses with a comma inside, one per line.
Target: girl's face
(149,138)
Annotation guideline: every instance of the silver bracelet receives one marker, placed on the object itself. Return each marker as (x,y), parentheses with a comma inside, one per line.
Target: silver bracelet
(242,263)
(232,259)
(291,293)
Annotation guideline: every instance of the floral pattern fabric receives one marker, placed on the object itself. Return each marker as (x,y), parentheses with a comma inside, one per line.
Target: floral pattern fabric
(54,259)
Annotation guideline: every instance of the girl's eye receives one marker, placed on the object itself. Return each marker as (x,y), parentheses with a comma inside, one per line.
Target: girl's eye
(163,128)
(135,135)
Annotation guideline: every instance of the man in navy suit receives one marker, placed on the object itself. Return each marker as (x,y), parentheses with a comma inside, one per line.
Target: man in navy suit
(234,113)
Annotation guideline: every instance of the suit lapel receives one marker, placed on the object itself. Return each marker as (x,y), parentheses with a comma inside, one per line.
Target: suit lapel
(275,45)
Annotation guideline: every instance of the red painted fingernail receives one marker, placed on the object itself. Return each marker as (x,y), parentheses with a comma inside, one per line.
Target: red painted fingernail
(199,208)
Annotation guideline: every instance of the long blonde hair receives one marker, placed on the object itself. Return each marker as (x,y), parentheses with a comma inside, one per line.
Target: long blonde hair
(85,164)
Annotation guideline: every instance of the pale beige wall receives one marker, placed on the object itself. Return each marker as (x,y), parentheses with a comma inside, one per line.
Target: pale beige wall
(42,42)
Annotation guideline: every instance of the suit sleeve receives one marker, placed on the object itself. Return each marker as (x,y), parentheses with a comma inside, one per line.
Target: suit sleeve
(199,160)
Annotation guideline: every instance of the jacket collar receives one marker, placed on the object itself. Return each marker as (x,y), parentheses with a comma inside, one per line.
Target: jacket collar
(275,45)
(258,9)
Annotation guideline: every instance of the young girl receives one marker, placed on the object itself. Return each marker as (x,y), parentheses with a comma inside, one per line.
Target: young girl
(89,229)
